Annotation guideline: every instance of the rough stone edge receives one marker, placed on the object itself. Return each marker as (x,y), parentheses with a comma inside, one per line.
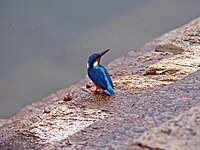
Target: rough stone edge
(182,132)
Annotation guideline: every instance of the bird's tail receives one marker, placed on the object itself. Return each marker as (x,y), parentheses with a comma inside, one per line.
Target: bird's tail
(110,90)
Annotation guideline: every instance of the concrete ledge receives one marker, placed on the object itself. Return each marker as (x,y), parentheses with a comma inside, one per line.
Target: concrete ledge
(181,133)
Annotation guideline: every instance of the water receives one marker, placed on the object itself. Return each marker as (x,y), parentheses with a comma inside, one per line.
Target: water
(44,45)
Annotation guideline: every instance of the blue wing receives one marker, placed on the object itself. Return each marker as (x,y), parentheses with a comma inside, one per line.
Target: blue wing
(98,77)
(108,76)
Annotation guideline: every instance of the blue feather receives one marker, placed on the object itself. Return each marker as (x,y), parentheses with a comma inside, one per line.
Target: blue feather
(108,76)
(99,75)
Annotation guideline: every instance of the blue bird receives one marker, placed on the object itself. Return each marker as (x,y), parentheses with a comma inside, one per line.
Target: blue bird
(98,73)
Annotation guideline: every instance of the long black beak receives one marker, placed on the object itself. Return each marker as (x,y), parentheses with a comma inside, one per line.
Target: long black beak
(102,53)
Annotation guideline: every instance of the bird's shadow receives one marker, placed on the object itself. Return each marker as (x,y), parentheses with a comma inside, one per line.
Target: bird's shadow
(99,97)
(102,97)
(102,93)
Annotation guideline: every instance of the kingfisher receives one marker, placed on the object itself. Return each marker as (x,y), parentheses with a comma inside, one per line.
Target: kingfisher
(98,73)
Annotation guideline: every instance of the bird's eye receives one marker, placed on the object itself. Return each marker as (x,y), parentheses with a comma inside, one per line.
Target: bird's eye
(87,65)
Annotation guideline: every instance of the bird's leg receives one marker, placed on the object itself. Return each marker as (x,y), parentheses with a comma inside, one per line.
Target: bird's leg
(96,90)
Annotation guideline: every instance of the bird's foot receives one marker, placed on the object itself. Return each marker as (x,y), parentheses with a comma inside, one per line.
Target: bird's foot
(100,91)
(94,91)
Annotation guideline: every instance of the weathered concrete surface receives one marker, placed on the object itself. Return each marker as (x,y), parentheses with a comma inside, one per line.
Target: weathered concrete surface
(181,133)
(148,93)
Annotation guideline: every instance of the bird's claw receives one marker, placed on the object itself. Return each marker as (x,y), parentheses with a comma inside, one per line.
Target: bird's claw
(94,91)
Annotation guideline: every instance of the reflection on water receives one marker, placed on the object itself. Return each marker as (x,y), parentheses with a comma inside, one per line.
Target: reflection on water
(44,45)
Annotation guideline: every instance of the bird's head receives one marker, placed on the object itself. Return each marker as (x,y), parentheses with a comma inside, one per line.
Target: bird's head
(94,59)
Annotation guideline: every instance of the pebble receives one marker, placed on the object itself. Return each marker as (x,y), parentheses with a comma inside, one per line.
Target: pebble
(68,97)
